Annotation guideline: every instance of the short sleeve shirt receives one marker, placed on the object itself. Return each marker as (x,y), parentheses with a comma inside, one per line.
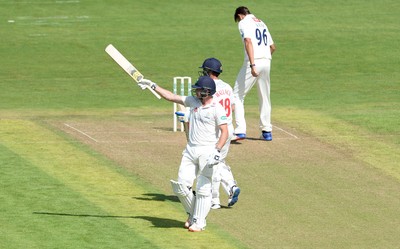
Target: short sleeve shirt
(204,121)
(224,97)
(255,29)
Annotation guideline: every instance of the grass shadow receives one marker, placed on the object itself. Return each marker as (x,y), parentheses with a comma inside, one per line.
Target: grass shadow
(155,221)
(157,197)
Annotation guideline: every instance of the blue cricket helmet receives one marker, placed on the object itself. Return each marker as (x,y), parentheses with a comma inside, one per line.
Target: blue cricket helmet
(207,84)
(212,64)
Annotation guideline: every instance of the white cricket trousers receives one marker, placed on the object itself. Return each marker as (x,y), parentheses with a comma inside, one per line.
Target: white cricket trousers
(193,164)
(222,172)
(244,82)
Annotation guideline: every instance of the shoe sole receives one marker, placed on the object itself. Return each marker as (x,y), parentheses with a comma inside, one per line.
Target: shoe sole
(195,230)
(263,138)
(237,138)
(235,198)
(216,207)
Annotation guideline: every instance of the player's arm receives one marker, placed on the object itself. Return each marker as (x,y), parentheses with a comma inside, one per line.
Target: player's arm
(272,48)
(183,116)
(248,45)
(164,93)
(223,136)
(215,157)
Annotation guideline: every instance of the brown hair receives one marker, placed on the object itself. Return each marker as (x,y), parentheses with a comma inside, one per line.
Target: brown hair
(240,10)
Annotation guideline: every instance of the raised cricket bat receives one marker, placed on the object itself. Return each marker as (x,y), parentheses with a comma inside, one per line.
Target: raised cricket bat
(127,66)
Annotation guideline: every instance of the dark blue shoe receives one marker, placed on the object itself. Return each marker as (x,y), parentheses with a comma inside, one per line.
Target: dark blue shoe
(234,197)
(266,135)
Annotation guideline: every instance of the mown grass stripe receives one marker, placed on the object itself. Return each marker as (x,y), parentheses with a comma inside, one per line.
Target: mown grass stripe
(104,187)
(360,143)
(38,211)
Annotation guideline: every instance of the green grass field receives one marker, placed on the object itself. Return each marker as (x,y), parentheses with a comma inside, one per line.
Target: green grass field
(86,156)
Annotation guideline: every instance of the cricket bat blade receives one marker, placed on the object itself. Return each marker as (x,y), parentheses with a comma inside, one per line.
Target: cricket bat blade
(127,66)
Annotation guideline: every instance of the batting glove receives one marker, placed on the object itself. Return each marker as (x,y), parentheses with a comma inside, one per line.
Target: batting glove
(214,158)
(144,83)
(182,117)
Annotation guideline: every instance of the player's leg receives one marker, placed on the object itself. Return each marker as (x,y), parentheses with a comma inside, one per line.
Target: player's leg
(239,95)
(263,87)
(222,175)
(244,82)
(217,175)
(233,192)
(216,182)
(183,186)
(227,179)
(186,197)
(229,184)
(203,203)
(203,193)
(225,148)
(224,171)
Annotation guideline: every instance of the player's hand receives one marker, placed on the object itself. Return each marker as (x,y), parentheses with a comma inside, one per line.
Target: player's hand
(214,158)
(254,72)
(144,83)
(143,86)
(182,117)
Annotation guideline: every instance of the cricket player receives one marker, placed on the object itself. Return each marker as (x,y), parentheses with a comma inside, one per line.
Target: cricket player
(222,172)
(208,133)
(258,50)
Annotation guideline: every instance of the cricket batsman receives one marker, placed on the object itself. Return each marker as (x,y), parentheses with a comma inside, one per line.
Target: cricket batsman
(222,172)
(208,133)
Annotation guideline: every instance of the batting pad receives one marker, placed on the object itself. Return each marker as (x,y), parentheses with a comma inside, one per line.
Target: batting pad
(201,209)
(184,194)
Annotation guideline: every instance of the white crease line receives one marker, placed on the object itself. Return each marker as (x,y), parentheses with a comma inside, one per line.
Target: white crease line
(67,1)
(286,132)
(45,2)
(81,132)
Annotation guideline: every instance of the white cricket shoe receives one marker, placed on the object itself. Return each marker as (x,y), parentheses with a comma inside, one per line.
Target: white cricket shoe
(215,206)
(196,228)
(188,223)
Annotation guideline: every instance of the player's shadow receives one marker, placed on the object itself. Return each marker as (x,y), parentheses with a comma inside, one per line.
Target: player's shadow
(161,222)
(157,197)
(254,138)
(155,221)
(247,138)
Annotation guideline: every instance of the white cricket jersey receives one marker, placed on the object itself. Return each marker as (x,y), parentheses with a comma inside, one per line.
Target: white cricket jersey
(255,29)
(224,96)
(204,122)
